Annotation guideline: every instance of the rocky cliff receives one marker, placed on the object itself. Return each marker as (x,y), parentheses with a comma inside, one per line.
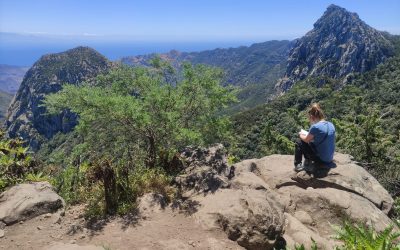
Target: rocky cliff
(26,117)
(339,44)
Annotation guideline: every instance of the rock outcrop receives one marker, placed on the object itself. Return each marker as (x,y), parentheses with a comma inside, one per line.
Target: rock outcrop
(338,45)
(26,117)
(25,201)
(263,203)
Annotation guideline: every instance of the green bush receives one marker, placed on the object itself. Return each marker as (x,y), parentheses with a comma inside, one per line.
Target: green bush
(16,165)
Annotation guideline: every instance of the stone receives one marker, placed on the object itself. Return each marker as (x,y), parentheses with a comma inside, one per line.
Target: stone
(48,215)
(264,200)
(237,204)
(25,201)
(252,218)
(57,219)
(72,246)
(303,217)
(1,233)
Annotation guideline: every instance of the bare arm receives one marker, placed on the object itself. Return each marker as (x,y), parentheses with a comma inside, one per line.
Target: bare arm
(306,138)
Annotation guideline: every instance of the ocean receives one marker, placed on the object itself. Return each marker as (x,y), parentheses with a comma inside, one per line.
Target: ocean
(26,54)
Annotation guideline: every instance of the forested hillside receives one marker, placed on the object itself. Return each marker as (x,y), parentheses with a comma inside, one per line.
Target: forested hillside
(254,69)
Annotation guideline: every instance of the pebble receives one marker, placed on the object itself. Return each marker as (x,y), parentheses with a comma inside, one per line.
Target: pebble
(48,215)
(190,242)
(82,236)
(72,242)
(1,233)
(39,227)
(57,219)
(2,225)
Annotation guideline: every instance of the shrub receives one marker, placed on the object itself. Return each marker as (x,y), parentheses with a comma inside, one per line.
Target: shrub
(362,237)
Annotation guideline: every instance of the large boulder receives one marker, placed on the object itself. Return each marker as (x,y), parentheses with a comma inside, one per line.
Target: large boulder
(248,214)
(259,201)
(25,201)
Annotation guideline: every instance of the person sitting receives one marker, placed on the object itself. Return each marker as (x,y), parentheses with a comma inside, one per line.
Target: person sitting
(318,145)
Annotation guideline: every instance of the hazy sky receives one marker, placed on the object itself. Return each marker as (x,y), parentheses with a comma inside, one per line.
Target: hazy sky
(184,20)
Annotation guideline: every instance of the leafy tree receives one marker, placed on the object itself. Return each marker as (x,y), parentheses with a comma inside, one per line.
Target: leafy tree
(134,108)
(135,117)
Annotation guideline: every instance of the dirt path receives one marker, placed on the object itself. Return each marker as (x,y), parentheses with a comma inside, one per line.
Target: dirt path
(162,230)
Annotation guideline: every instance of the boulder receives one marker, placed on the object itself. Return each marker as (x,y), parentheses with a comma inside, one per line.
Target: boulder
(240,206)
(252,218)
(259,201)
(25,201)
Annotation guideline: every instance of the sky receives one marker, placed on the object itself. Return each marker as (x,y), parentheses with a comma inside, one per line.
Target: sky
(183,20)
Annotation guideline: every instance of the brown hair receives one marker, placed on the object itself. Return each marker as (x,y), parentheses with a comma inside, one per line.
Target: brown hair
(316,111)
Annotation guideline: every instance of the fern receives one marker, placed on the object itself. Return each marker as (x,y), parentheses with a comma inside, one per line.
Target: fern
(362,237)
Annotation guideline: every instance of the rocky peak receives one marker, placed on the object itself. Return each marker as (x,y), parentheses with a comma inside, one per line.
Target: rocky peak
(337,15)
(339,44)
(26,118)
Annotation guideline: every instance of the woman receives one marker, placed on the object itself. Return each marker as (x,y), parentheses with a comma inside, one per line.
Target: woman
(318,145)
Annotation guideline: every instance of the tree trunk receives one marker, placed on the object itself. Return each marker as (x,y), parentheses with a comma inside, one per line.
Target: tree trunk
(110,189)
(151,152)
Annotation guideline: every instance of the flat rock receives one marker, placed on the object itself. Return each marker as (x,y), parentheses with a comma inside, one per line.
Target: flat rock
(264,200)
(68,246)
(25,201)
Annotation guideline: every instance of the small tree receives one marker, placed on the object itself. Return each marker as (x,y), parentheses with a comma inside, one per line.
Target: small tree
(131,109)
(143,116)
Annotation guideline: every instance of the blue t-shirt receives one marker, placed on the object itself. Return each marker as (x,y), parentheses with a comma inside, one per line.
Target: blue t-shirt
(324,140)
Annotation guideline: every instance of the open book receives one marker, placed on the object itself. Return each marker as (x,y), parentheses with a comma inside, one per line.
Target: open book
(303,132)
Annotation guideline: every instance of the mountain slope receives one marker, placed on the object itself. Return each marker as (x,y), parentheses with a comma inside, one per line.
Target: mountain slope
(339,44)
(255,69)
(11,77)
(25,117)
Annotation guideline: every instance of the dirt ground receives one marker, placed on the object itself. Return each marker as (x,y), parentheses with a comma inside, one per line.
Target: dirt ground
(166,229)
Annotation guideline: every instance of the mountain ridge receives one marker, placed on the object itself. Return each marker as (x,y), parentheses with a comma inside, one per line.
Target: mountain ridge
(339,44)
(255,68)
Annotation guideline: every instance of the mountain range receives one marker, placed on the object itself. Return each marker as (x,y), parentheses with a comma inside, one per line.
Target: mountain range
(339,45)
